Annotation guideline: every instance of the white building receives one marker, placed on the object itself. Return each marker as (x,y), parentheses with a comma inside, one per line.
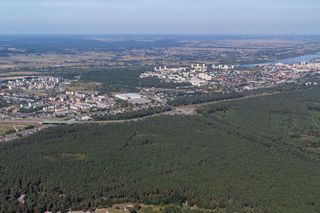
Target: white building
(205,76)
(133,98)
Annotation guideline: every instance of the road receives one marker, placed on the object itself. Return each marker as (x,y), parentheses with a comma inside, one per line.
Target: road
(181,110)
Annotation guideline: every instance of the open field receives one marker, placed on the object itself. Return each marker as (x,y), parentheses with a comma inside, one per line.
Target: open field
(8,126)
(14,74)
(83,86)
(8,78)
(141,208)
(5,127)
(88,53)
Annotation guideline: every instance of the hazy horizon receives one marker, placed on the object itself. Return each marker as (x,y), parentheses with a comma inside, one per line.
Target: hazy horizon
(175,17)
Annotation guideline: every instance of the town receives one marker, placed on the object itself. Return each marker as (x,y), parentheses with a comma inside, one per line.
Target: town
(234,78)
(48,100)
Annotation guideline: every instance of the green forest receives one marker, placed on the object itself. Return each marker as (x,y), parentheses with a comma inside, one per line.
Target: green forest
(117,78)
(3,103)
(255,154)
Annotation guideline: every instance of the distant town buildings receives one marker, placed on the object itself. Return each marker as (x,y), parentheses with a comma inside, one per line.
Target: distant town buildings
(196,74)
(38,83)
(78,102)
(46,97)
(230,77)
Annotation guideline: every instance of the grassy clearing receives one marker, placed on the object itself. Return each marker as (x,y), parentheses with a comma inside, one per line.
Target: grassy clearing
(12,127)
(142,208)
(66,157)
(83,86)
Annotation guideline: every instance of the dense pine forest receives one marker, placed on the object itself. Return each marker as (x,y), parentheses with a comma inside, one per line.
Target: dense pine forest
(256,154)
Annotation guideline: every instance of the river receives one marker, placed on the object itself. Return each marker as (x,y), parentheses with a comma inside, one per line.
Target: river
(306,58)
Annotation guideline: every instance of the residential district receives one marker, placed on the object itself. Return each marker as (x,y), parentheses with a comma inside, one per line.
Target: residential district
(236,78)
(48,99)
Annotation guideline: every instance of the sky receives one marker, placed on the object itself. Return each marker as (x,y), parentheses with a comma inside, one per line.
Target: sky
(159,16)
